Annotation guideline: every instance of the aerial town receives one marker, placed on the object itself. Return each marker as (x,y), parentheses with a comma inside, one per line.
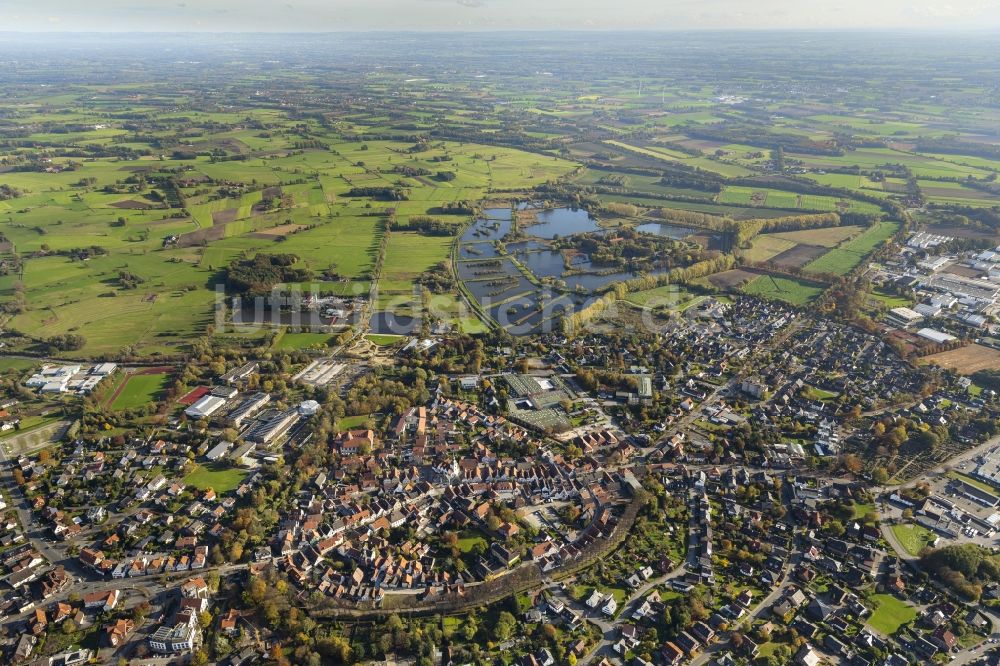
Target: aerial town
(497,348)
(735,486)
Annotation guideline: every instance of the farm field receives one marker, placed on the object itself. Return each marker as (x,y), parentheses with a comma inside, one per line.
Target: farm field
(844,258)
(828,237)
(721,168)
(23,364)
(965,360)
(733,279)
(794,292)
(779,199)
(453,311)
(171,301)
(409,254)
(708,206)
(922,166)
(669,296)
(797,256)
(147,194)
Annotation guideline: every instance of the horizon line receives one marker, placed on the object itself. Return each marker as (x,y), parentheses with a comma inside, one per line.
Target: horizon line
(525,30)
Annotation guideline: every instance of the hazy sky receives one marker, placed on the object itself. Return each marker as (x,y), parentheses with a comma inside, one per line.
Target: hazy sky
(334,15)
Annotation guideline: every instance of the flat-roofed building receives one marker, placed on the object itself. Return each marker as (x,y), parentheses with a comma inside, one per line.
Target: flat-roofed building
(903,317)
(205,407)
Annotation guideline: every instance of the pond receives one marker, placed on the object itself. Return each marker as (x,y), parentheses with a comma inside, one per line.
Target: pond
(511,298)
(388,323)
(526,246)
(477,251)
(668,230)
(263,315)
(497,213)
(559,222)
(499,289)
(486,269)
(595,282)
(488,229)
(532,312)
(544,263)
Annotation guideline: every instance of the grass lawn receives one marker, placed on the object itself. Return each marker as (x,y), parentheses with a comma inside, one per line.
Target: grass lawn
(293,341)
(383,340)
(891,300)
(814,393)
(219,478)
(972,482)
(351,422)
(620,594)
(30,423)
(913,538)
(469,539)
(582,593)
(16,364)
(861,509)
(890,614)
(140,390)
(769,648)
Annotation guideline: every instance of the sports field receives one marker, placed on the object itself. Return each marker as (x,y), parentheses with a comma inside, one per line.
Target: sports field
(140,389)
